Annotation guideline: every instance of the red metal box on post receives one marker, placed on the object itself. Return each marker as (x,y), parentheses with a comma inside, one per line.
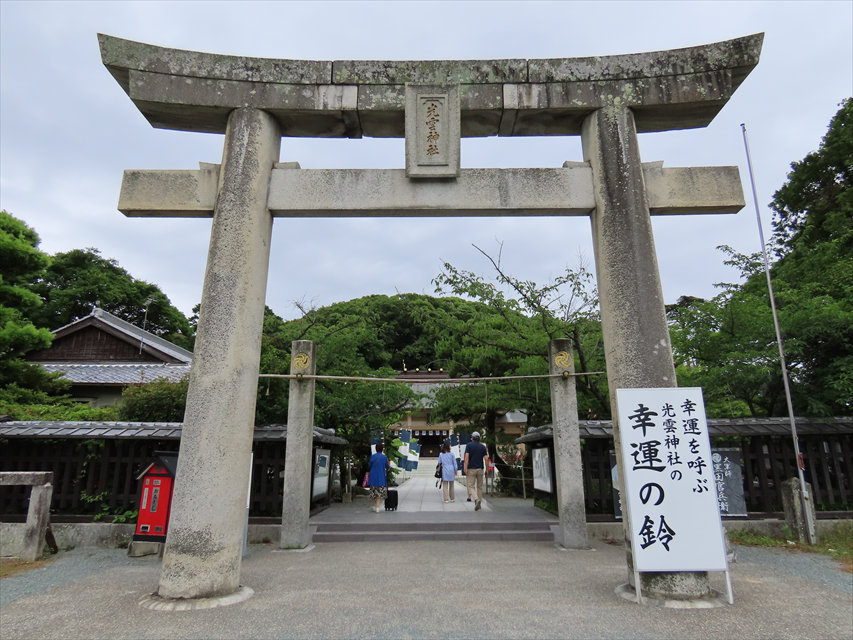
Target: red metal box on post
(156,497)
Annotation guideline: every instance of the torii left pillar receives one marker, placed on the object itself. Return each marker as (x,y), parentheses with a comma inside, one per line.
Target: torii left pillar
(204,544)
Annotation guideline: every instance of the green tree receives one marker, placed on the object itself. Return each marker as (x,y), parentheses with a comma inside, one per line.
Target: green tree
(157,401)
(814,208)
(21,264)
(813,277)
(728,345)
(505,331)
(77,280)
(350,342)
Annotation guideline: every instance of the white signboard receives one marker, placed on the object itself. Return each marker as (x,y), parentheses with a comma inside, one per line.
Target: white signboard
(669,480)
(542,470)
(322,466)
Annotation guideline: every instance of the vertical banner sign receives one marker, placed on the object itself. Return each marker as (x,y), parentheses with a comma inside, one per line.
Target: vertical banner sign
(403,450)
(671,496)
(414,455)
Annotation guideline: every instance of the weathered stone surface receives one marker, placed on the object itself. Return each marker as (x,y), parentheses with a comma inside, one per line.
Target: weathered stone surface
(799,510)
(428,71)
(38,513)
(567,447)
(680,190)
(432,131)
(740,53)
(298,463)
(118,55)
(140,548)
(381,109)
(204,544)
(477,192)
(163,98)
(388,193)
(633,319)
(29,478)
(68,535)
(676,89)
(178,194)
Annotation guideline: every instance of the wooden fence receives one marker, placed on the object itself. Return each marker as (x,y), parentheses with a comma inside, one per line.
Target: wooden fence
(767,462)
(98,475)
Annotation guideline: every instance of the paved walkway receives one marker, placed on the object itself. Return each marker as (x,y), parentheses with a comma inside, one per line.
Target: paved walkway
(420,500)
(459,590)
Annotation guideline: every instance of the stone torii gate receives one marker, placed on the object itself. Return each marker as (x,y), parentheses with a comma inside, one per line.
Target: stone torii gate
(255,102)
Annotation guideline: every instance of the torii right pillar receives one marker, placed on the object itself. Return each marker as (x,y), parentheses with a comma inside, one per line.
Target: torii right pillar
(633,318)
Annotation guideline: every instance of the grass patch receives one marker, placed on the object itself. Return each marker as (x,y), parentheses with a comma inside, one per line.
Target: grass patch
(12,566)
(546,505)
(835,541)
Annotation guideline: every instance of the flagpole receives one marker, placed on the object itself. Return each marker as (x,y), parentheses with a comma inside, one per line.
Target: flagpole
(811,537)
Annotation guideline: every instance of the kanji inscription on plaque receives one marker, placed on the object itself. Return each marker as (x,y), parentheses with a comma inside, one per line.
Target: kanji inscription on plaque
(432,131)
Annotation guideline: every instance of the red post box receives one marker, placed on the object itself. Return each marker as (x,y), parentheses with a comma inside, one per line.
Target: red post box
(155,498)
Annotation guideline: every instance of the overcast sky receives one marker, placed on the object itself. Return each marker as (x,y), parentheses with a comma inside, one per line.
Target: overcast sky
(67,131)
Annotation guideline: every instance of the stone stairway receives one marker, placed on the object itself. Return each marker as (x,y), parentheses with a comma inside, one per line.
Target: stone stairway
(423,515)
(385,531)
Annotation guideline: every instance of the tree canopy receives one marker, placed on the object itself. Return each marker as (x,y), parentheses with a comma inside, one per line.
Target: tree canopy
(39,292)
(366,337)
(504,330)
(21,264)
(727,345)
(75,281)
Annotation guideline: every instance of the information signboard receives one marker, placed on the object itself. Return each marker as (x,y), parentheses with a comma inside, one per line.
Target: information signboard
(671,497)
(542,470)
(322,465)
(728,478)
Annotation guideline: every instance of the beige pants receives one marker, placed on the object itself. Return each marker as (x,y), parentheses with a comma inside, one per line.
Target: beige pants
(447,490)
(475,483)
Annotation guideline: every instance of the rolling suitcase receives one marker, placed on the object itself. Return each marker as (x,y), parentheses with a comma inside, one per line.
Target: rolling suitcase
(391,500)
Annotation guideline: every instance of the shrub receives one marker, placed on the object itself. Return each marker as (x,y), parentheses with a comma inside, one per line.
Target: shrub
(158,401)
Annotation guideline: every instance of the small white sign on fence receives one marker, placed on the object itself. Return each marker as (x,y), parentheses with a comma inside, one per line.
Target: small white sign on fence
(542,470)
(671,497)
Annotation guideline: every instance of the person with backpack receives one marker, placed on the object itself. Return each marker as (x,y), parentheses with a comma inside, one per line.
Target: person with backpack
(448,473)
(475,455)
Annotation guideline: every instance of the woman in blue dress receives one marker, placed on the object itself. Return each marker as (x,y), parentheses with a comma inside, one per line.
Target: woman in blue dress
(448,473)
(377,467)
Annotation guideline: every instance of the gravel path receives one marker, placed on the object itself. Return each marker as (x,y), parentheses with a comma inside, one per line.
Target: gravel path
(70,566)
(66,566)
(814,567)
(526,591)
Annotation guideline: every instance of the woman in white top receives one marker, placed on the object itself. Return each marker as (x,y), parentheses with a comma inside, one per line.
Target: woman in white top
(448,473)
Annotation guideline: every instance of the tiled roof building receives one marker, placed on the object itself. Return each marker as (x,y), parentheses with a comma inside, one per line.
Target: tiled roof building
(101,354)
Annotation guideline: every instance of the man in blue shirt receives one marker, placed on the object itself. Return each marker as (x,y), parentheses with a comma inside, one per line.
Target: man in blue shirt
(475,455)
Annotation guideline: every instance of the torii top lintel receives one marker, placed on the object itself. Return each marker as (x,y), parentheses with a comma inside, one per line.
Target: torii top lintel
(193,91)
